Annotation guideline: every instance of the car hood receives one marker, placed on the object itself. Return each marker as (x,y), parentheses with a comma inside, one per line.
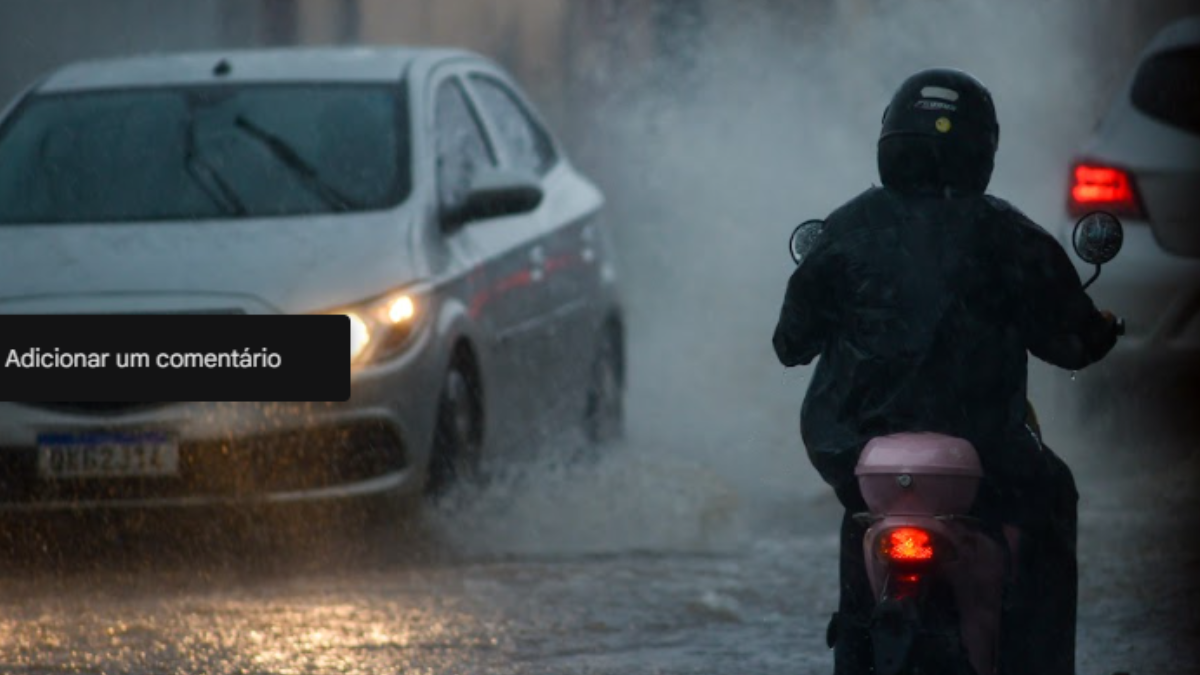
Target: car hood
(285,265)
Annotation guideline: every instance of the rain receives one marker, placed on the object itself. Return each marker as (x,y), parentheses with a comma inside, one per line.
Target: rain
(702,540)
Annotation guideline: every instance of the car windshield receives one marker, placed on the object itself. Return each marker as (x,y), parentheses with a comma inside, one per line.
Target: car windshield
(187,153)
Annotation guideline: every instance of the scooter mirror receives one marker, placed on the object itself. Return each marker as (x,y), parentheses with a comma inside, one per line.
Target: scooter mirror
(804,238)
(1098,237)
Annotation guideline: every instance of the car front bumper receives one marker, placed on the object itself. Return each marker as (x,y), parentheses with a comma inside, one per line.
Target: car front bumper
(239,453)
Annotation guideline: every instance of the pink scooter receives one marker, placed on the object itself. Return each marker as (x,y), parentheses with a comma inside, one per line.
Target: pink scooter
(938,575)
(919,489)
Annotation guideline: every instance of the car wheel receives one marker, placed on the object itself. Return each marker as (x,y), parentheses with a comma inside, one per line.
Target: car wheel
(604,418)
(458,434)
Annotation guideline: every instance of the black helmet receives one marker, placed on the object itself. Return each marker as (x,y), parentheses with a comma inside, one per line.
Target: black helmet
(939,131)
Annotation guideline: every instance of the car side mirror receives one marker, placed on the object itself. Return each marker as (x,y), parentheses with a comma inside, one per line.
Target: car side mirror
(1097,239)
(495,193)
(804,238)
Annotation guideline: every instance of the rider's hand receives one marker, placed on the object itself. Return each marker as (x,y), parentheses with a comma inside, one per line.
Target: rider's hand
(1117,324)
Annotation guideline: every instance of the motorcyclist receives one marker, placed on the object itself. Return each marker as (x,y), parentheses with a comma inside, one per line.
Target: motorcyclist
(923,299)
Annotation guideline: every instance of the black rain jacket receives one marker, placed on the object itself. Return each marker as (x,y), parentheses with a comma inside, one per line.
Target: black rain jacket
(923,309)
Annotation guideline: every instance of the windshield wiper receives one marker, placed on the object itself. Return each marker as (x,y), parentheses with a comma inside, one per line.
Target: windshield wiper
(227,199)
(292,159)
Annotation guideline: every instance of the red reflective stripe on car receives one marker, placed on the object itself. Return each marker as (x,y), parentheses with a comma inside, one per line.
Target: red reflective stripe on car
(562,262)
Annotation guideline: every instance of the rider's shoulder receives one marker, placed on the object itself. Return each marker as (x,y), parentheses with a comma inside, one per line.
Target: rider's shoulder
(1003,206)
(1012,214)
(854,207)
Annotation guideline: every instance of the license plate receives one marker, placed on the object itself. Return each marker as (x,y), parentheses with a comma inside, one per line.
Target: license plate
(107,455)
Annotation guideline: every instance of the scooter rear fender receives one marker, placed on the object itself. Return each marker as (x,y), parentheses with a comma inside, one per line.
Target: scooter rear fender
(967,559)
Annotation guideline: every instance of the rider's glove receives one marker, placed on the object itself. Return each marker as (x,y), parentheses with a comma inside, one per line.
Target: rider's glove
(1116,322)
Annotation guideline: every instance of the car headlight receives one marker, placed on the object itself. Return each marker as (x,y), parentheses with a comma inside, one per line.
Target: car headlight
(383,326)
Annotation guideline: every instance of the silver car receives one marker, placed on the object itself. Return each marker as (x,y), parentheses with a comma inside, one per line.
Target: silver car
(416,190)
(1143,164)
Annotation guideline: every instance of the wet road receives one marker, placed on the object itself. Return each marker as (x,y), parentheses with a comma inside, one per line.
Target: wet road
(643,563)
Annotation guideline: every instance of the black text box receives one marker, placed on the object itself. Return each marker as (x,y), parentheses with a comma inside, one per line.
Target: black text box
(104,358)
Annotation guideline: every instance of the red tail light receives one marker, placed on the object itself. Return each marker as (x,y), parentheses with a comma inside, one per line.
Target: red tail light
(907,544)
(1098,187)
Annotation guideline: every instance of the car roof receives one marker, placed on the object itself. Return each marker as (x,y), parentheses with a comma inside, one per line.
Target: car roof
(285,64)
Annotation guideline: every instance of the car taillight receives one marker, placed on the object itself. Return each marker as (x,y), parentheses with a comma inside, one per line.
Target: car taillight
(907,545)
(1099,187)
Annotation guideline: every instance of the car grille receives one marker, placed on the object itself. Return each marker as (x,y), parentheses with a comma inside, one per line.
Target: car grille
(242,467)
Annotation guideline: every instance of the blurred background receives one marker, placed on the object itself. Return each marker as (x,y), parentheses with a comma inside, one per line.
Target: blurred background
(714,127)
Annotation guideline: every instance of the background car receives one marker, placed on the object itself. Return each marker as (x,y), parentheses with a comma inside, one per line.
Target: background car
(1143,164)
(416,190)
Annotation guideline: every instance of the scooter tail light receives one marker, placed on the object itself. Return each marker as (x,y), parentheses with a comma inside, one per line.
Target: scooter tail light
(907,545)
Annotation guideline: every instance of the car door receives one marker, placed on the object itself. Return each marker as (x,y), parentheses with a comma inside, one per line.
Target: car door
(564,248)
(504,259)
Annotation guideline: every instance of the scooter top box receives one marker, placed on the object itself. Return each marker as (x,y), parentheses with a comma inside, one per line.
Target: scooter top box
(919,473)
